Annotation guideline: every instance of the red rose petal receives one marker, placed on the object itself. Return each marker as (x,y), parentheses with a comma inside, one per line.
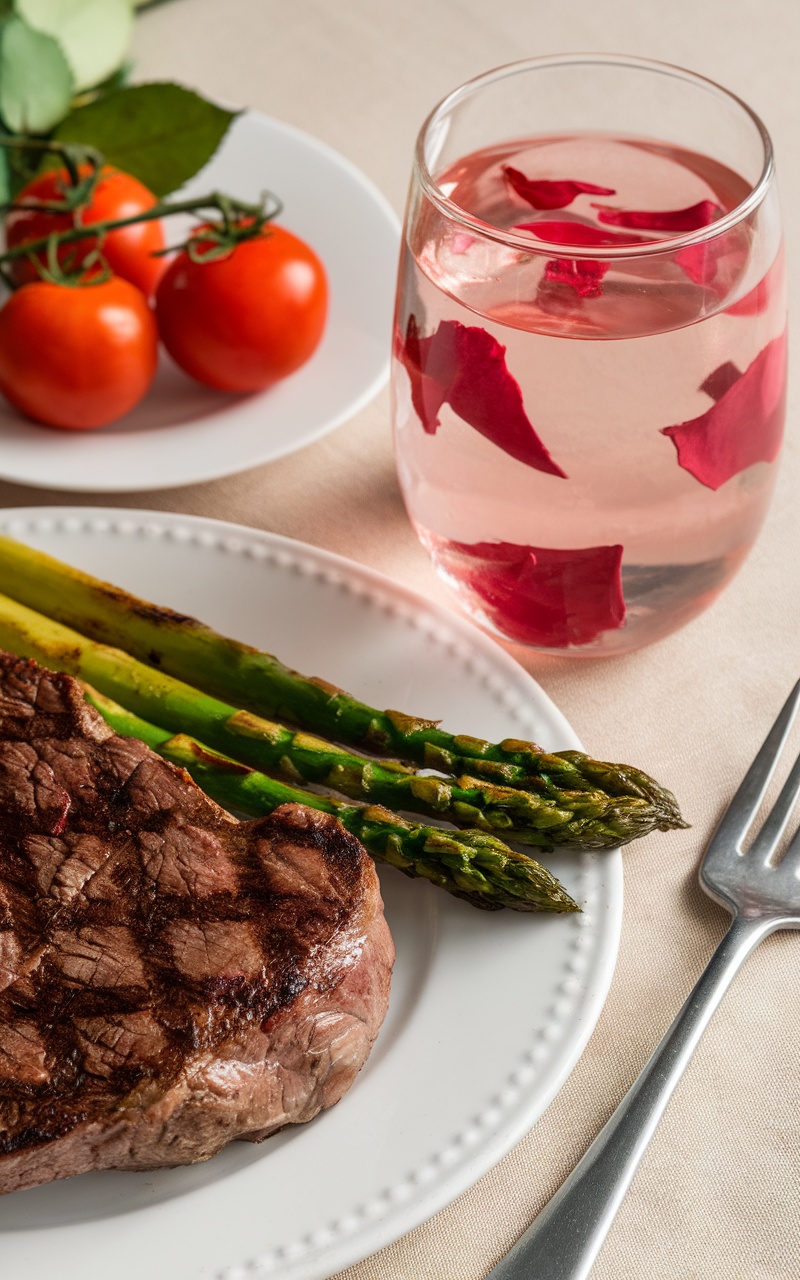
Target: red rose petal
(562,231)
(721,380)
(540,595)
(753,303)
(465,367)
(745,425)
(700,261)
(759,298)
(545,194)
(584,275)
(678,220)
(427,394)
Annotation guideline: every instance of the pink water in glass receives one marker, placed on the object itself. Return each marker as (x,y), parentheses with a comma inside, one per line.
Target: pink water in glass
(629,543)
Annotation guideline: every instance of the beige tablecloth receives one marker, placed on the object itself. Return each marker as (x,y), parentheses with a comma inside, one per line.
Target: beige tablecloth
(718,1194)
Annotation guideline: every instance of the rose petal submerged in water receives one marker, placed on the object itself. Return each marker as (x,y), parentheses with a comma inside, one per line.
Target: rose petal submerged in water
(700,262)
(759,298)
(542,595)
(465,367)
(584,275)
(745,425)
(721,380)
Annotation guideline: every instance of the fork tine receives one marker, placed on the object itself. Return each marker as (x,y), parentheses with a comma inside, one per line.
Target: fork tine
(743,807)
(790,863)
(767,839)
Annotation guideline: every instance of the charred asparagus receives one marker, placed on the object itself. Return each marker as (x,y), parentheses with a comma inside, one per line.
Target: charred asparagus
(468,864)
(227,669)
(586,818)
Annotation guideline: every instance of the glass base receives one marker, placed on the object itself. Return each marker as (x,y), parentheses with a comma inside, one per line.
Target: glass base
(659,599)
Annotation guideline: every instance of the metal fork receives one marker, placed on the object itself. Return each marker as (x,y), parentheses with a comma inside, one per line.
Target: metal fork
(566,1237)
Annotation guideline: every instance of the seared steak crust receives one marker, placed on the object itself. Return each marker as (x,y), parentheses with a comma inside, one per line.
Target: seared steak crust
(170,978)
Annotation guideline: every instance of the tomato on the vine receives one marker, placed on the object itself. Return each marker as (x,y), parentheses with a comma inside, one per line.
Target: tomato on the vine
(128,250)
(241,321)
(77,355)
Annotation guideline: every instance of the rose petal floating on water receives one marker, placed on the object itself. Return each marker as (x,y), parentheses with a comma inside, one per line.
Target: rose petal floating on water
(564,231)
(698,261)
(584,275)
(745,425)
(547,194)
(545,596)
(465,367)
(679,220)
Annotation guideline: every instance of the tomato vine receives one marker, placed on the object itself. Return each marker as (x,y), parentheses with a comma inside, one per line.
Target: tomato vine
(240,220)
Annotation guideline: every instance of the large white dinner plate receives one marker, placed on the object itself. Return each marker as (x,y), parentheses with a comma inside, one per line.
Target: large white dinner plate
(488,1013)
(184,433)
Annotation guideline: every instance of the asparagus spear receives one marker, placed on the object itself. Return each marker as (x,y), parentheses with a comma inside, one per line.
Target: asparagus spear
(468,864)
(250,678)
(584,818)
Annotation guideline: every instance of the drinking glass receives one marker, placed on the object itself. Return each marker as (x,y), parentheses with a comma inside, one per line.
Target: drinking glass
(590,347)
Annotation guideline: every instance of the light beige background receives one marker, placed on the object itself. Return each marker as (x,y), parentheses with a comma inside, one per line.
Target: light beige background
(716,1197)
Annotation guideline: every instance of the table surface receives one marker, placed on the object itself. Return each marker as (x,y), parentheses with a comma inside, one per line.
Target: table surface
(716,1196)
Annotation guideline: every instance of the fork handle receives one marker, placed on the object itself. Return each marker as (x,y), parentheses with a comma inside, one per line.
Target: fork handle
(565,1238)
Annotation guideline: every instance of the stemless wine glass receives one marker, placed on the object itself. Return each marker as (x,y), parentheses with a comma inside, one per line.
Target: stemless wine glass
(590,347)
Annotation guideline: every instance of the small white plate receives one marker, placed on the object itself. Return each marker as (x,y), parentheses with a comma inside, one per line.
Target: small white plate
(183,433)
(488,1013)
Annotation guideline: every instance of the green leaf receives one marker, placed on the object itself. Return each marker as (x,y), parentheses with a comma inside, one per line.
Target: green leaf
(5,179)
(35,79)
(161,133)
(94,34)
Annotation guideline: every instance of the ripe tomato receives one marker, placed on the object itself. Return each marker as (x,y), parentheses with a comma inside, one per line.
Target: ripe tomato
(77,356)
(127,250)
(240,322)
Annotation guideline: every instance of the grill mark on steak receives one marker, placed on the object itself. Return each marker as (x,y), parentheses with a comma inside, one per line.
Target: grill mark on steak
(170,978)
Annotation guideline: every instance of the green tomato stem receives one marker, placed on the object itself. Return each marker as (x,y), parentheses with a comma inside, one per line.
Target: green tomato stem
(73,154)
(240,220)
(223,204)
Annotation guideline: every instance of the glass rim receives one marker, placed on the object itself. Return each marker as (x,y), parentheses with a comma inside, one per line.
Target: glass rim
(528,241)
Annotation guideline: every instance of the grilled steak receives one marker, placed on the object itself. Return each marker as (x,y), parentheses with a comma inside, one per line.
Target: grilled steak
(170,978)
